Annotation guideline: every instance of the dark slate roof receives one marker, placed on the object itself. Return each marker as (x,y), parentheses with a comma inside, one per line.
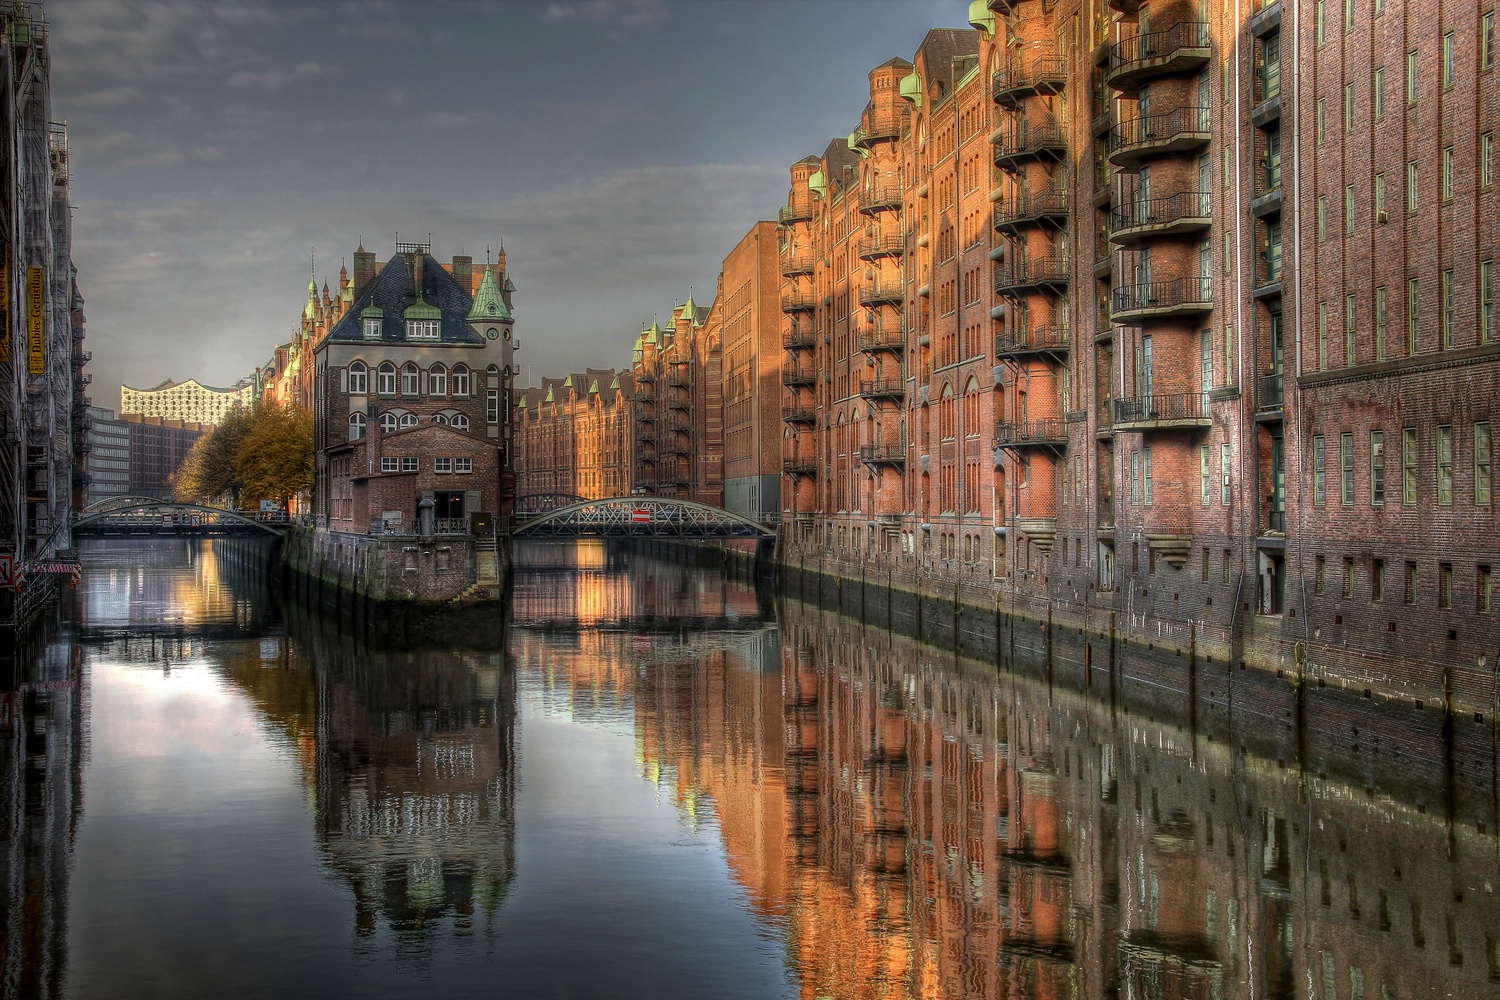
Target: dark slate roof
(392,291)
(940,48)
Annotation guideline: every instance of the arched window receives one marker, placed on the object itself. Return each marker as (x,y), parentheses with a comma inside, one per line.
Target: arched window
(408,420)
(387,422)
(460,380)
(460,422)
(356,426)
(437,381)
(441,418)
(358,379)
(410,381)
(971,408)
(945,413)
(385,379)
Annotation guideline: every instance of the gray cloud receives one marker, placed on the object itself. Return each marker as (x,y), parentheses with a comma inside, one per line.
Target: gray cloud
(605,13)
(276,77)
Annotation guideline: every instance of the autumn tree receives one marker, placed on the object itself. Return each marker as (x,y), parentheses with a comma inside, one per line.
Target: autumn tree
(274,458)
(210,472)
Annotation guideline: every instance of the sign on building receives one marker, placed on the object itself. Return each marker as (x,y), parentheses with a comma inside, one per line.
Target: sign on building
(36,313)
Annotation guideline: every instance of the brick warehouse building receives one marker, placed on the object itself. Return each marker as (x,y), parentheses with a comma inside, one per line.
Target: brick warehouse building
(1099,314)
(573,435)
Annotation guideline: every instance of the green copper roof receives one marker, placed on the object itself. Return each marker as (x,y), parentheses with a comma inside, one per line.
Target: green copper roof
(981,18)
(616,383)
(422,309)
(510,286)
(690,311)
(488,305)
(653,334)
(549,398)
(911,88)
(312,299)
(568,382)
(818,184)
(372,311)
(594,387)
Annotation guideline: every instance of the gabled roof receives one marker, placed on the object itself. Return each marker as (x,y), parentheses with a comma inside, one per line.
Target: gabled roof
(393,292)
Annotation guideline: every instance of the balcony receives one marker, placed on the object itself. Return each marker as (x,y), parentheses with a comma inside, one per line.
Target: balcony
(644,377)
(882,244)
(883,388)
(1030,73)
(799,466)
(882,454)
(1053,340)
(883,291)
(880,198)
(1270,393)
(1049,433)
(1017,142)
(1172,297)
(1124,6)
(1178,48)
(798,300)
(788,214)
(883,337)
(798,338)
(880,124)
(799,415)
(1136,140)
(1031,208)
(797,263)
(1161,411)
(1047,272)
(793,375)
(1135,222)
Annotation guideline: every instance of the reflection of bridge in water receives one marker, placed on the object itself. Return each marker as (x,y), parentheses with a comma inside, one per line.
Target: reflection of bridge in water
(148,517)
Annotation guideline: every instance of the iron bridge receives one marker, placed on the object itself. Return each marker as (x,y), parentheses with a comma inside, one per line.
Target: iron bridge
(144,517)
(642,517)
(534,505)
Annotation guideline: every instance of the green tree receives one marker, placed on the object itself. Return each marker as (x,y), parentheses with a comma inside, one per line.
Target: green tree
(274,458)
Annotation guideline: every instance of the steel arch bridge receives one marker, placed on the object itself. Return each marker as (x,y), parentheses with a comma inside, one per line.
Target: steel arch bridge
(642,517)
(142,517)
(534,505)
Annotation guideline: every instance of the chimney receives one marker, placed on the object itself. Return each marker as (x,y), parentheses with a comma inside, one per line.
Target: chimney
(364,270)
(463,273)
(416,259)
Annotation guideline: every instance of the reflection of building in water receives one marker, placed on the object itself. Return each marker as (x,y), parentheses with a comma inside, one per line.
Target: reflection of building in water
(416,782)
(41,797)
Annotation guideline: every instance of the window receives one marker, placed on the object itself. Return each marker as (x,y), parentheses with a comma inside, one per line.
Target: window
(387,422)
(1224,469)
(460,422)
(390,464)
(1322,119)
(1380,197)
(1348,107)
(1146,475)
(1411,77)
(1205,474)
(385,379)
(1320,22)
(460,380)
(1411,185)
(410,380)
(1445,585)
(1348,15)
(1322,217)
(1486,301)
(410,464)
(492,406)
(1380,323)
(1448,60)
(1482,464)
(1349,208)
(1135,479)
(1346,469)
(1377,91)
(1270,67)
(1444,465)
(1377,579)
(358,378)
(1448,317)
(463,465)
(1377,468)
(408,420)
(1409,465)
(372,328)
(1487,159)
(356,426)
(442,465)
(1487,40)
(1320,480)
(1273,158)
(421,329)
(437,381)
(1483,589)
(1412,315)
(1447,173)
(1349,353)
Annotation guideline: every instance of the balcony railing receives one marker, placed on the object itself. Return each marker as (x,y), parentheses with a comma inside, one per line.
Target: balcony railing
(794,212)
(882,388)
(1171,297)
(680,381)
(797,262)
(1178,48)
(1043,270)
(882,454)
(880,197)
(1033,340)
(1180,408)
(1038,70)
(1029,208)
(881,291)
(1276,521)
(883,337)
(882,244)
(883,124)
(798,375)
(799,415)
(644,377)
(1269,394)
(1026,140)
(1050,432)
(1133,141)
(798,338)
(798,300)
(799,466)
(1169,215)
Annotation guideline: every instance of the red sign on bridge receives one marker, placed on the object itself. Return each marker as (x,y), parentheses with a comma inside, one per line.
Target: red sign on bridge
(640,515)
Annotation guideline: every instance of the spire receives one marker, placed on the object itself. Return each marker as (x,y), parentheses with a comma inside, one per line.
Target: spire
(488,305)
(312,290)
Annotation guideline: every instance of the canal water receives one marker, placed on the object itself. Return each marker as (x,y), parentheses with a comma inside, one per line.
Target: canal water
(666,786)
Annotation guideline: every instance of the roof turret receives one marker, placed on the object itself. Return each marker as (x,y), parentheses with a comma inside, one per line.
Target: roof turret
(488,304)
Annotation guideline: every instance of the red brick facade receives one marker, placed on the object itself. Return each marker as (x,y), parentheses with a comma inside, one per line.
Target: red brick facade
(573,435)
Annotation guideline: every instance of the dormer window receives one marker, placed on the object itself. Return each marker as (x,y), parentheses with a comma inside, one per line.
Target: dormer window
(422,329)
(372,328)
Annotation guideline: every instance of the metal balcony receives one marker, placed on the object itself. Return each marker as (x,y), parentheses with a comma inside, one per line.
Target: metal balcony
(1172,297)
(1053,340)
(1049,433)
(1031,72)
(1021,141)
(880,198)
(883,388)
(1136,140)
(680,381)
(882,454)
(883,291)
(798,375)
(883,337)
(1031,208)
(1179,48)
(1047,272)
(798,300)
(882,124)
(1270,392)
(644,376)
(788,214)
(882,244)
(798,338)
(799,415)
(799,466)
(797,263)
(1161,411)
(1135,222)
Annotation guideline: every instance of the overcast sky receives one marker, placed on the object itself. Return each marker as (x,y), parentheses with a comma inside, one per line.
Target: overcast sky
(618,148)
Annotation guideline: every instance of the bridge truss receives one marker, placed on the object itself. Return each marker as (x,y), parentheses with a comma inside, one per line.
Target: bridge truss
(642,517)
(135,517)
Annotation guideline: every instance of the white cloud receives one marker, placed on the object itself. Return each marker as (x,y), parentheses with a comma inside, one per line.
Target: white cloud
(605,13)
(276,77)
